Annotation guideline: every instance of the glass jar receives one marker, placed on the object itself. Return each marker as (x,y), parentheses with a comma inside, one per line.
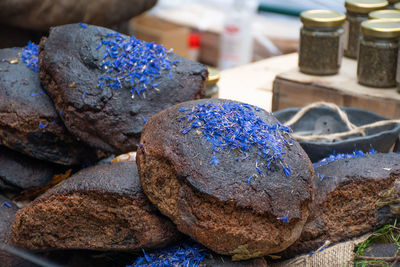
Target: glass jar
(385,14)
(212,83)
(321,44)
(397,6)
(377,59)
(357,12)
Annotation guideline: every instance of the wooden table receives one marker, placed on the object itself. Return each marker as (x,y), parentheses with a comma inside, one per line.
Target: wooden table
(276,83)
(252,83)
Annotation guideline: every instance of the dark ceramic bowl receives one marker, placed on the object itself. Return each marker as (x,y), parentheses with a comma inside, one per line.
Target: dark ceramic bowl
(324,120)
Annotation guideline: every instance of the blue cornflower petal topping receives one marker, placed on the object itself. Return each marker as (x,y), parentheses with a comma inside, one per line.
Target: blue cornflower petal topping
(320,175)
(83,25)
(186,254)
(41,125)
(132,63)
(235,126)
(30,56)
(5,203)
(214,160)
(335,157)
(84,95)
(285,218)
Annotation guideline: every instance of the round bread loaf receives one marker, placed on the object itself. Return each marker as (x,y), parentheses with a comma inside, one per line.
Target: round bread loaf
(355,194)
(41,15)
(29,122)
(99,208)
(228,175)
(108,84)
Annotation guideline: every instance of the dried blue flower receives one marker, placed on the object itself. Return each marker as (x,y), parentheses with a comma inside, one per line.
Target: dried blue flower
(34,94)
(320,175)
(287,171)
(5,203)
(132,63)
(41,125)
(83,25)
(30,56)
(84,95)
(249,179)
(186,254)
(236,127)
(284,219)
(214,160)
(144,119)
(335,157)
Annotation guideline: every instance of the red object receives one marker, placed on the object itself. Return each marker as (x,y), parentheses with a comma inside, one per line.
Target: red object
(194,40)
(231,29)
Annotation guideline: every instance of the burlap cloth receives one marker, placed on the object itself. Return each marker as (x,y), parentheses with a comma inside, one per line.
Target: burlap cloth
(341,254)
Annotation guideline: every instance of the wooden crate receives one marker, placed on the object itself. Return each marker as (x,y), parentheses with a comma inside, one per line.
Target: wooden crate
(296,89)
(170,35)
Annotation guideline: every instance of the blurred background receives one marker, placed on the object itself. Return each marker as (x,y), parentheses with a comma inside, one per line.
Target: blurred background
(268,28)
(219,33)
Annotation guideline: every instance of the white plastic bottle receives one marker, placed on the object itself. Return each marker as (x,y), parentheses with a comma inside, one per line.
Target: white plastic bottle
(236,46)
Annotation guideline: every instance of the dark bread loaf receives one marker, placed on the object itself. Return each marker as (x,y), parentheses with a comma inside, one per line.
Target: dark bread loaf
(41,15)
(101,106)
(99,208)
(227,198)
(353,196)
(19,172)
(29,122)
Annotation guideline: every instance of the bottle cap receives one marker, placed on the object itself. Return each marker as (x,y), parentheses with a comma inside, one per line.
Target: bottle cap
(322,18)
(385,14)
(381,28)
(365,6)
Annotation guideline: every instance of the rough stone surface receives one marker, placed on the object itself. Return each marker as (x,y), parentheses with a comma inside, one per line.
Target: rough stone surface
(43,14)
(356,196)
(23,106)
(19,172)
(107,119)
(216,205)
(99,208)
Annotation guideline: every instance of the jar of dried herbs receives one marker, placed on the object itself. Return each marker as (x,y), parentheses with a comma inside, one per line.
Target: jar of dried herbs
(385,14)
(212,83)
(377,59)
(357,12)
(321,44)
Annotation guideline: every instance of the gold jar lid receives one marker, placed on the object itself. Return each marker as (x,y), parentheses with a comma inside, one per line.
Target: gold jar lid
(381,28)
(365,6)
(322,18)
(213,76)
(385,14)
